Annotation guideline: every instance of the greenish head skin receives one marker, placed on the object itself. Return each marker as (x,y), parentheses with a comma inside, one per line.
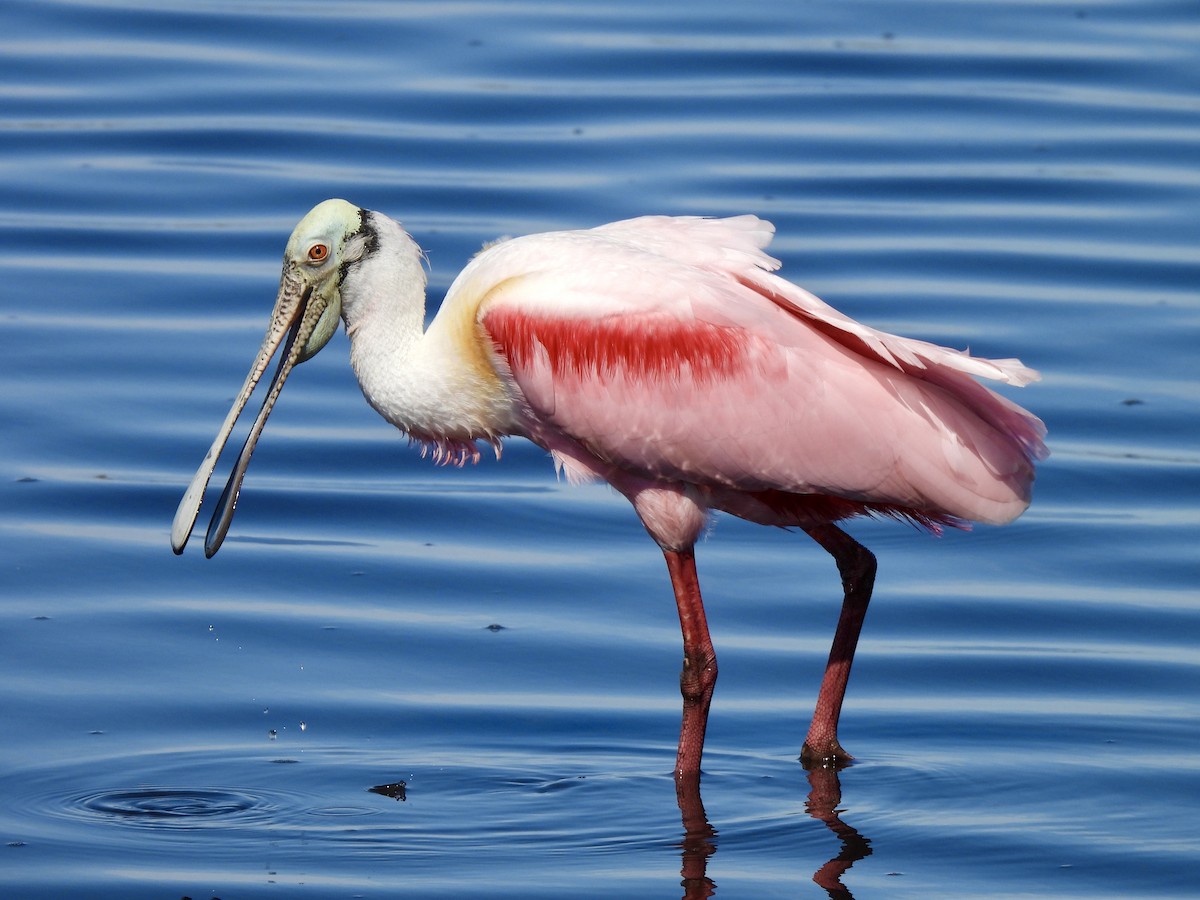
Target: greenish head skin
(324,242)
(333,236)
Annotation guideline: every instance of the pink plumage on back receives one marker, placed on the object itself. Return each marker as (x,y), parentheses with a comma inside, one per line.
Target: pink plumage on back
(670,350)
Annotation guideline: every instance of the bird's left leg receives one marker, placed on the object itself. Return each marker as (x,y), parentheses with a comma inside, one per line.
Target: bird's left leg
(857,567)
(699,674)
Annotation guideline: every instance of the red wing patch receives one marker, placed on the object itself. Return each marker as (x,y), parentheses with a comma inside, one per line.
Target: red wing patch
(635,347)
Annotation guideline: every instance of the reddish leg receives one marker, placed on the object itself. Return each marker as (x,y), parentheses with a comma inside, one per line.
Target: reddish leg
(699,673)
(857,567)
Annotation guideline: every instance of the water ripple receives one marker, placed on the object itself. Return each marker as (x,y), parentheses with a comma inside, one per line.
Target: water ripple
(1017,176)
(163,807)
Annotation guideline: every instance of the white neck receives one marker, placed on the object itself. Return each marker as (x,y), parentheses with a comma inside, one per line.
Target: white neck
(421,383)
(383,306)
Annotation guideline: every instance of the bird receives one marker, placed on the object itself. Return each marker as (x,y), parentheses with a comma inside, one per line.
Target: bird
(664,356)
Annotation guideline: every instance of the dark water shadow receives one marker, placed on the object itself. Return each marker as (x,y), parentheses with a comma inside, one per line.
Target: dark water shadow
(825,794)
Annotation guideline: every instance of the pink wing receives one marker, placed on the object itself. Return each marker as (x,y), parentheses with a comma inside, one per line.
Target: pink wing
(665,347)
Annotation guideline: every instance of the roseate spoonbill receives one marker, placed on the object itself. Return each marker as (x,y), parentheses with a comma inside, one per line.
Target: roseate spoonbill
(662,355)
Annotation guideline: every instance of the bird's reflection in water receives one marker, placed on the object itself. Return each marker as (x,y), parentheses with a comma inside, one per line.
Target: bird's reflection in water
(698,839)
(824,796)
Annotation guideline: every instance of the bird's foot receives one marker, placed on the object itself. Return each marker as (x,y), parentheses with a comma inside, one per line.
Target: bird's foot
(832,756)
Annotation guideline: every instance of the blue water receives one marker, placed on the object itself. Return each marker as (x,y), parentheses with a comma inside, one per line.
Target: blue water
(1019,177)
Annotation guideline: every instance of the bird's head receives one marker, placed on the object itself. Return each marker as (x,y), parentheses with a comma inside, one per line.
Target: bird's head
(325,247)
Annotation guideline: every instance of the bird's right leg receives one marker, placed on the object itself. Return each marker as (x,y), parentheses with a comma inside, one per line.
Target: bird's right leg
(699,674)
(857,567)
(674,516)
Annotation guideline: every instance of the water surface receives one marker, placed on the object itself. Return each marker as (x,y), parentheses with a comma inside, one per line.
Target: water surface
(1016,177)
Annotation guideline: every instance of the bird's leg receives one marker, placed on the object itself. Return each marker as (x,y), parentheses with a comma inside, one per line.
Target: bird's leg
(699,673)
(857,567)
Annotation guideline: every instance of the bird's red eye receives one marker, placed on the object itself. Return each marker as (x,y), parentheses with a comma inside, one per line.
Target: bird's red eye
(317,253)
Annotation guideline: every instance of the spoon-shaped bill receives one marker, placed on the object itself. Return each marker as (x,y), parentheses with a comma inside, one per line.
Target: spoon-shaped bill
(223,515)
(292,322)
